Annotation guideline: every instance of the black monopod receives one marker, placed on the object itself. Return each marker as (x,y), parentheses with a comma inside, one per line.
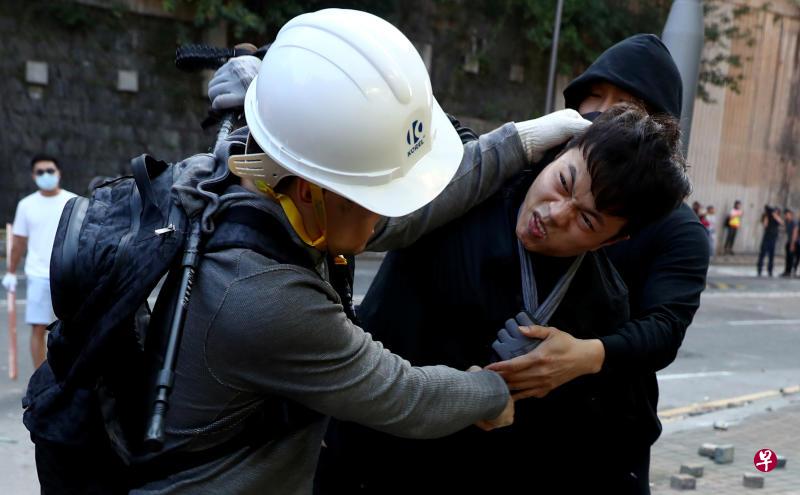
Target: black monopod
(188,58)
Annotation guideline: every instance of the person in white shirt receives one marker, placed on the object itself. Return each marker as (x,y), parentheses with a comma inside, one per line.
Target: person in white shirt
(711,218)
(35,225)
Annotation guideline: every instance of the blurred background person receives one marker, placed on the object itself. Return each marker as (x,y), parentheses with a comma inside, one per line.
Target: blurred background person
(791,241)
(796,242)
(711,226)
(697,208)
(732,223)
(35,224)
(772,221)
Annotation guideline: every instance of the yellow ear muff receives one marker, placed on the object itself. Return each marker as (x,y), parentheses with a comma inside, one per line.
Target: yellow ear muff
(295,219)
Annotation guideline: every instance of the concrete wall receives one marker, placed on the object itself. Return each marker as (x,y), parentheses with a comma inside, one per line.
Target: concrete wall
(745,146)
(455,39)
(481,72)
(80,115)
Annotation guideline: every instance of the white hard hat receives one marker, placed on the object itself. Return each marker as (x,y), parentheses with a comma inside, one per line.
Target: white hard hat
(343,100)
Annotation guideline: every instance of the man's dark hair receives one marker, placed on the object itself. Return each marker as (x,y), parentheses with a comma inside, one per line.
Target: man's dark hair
(635,162)
(41,157)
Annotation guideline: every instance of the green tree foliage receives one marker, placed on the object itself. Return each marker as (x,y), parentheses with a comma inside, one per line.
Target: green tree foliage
(257,21)
(588,26)
(73,16)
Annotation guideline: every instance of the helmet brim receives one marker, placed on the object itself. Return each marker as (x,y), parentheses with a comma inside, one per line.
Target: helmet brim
(400,196)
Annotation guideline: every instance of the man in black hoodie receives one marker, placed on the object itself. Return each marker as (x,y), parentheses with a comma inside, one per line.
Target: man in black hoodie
(665,266)
(440,301)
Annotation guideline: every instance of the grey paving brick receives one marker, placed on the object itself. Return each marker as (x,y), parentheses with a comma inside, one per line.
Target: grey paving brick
(777,430)
(752,480)
(723,454)
(707,450)
(682,482)
(721,425)
(692,469)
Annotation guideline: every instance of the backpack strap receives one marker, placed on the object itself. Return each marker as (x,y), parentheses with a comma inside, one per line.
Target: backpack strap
(144,167)
(342,273)
(64,259)
(249,228)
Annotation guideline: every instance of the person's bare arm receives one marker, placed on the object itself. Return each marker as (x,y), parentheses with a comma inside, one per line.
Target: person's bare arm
(19,245)
(560,358)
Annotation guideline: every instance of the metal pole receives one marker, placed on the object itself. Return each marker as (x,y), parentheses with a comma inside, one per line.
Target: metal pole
(551,77)
(154,437)
(11,298)
(684,36)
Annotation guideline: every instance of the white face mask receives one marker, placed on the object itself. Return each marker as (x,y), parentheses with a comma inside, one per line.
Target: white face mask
(47,182)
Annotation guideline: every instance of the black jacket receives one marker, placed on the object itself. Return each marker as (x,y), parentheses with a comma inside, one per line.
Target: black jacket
(665,265)
(439,302)
(442,301)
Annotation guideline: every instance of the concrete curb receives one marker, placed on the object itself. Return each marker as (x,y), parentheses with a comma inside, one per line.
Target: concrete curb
(706,407)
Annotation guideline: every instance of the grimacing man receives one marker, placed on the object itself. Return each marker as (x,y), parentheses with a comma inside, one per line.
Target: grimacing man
(590,385)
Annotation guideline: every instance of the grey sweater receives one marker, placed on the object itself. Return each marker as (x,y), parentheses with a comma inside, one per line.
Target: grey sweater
(257,328)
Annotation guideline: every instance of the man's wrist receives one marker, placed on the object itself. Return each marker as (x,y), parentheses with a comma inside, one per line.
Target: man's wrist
(527,134)
(596,355)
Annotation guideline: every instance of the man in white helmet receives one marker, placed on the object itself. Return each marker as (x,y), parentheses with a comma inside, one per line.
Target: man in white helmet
(346,149)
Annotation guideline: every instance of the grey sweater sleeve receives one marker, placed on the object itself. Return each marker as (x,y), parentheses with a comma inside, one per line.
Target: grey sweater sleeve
(293,339)
(487,163)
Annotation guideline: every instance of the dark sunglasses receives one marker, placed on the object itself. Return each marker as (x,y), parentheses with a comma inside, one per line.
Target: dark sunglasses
(43,171)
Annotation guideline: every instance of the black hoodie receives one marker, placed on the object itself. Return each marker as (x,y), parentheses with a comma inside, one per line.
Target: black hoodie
(642,66)
(664,265)
(440,301)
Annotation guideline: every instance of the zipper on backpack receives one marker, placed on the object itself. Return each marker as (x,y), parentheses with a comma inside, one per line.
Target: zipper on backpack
(165,230)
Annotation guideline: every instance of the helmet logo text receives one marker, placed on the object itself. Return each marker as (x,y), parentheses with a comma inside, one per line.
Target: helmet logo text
(415,137)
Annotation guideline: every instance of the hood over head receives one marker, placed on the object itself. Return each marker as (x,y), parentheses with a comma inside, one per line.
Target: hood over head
(640,65)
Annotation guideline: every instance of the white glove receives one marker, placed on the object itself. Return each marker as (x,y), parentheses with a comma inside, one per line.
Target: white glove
(10,282)
(539,135)
(227,88)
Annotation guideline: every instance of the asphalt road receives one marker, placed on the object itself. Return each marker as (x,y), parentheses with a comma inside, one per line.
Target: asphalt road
(745,339)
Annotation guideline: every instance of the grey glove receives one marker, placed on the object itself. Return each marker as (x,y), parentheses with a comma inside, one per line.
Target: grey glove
(511,342)
(227,88)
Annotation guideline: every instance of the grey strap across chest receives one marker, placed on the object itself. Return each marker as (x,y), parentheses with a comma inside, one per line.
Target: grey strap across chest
(530,298)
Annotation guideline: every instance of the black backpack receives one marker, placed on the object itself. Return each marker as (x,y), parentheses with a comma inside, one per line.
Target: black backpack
(109,254)
(95,391)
